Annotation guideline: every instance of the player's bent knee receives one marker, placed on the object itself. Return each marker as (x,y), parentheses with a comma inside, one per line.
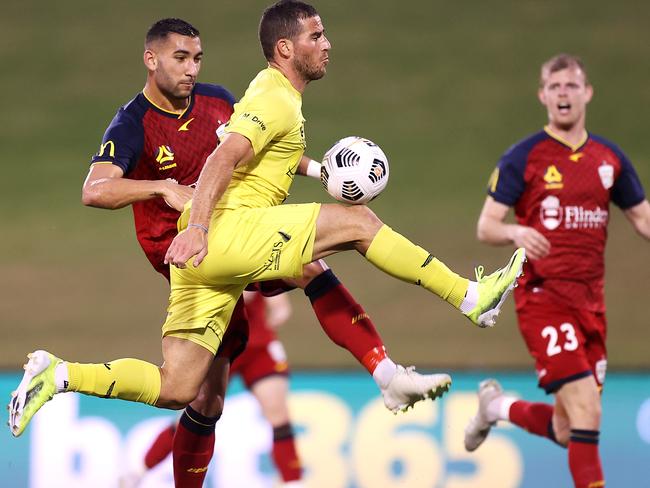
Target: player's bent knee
(585,413)
(309,272)
(363,214)
(562,436)
(363,222)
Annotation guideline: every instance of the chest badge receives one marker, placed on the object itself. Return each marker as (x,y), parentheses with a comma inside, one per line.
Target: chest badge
(553,178)
(165,155)
(606,173)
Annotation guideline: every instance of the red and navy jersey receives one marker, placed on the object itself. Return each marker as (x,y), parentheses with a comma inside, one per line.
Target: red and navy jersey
(149,143)
(564,192)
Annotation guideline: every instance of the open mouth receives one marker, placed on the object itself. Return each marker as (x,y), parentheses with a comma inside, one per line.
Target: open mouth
(564,107)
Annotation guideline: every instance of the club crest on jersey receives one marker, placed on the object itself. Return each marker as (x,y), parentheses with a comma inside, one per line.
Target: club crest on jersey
(553,178)
(606,173)
(165,155)
(550,212)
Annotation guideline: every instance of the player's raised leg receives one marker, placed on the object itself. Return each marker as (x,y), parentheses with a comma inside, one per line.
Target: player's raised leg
(348,325)
(357,227)
(494,405)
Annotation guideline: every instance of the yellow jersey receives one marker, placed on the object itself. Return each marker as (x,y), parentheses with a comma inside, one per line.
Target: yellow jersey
(270,117)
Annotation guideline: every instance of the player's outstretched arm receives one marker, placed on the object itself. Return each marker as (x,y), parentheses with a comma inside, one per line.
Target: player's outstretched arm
(105,187)
(492,229)
(639,217)
(216,174)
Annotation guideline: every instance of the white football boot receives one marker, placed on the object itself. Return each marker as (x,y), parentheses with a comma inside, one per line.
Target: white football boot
(479,426)
(407,387)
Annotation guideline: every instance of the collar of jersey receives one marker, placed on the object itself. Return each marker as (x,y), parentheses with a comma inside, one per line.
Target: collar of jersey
(175,115)
(285,81)
(564,142)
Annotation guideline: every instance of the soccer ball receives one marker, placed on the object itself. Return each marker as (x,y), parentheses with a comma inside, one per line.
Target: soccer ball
(354,170)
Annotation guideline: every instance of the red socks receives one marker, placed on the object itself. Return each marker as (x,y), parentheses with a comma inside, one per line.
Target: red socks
(536,418)
(345,321)
(584,459)
(193,448)
(284,453)
(192,452)
(160,448)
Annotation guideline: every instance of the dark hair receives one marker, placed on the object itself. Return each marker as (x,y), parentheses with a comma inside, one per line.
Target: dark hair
(560,62)
(282,21)
(164,27)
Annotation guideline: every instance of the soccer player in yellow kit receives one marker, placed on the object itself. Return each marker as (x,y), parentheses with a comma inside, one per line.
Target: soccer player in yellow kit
(237,215)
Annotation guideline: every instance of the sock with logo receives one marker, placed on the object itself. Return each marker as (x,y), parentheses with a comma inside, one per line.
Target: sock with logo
(127,379)
(284,453)
(396,255)
(345,321)
(160,448)
(536,418)
(192,448)
(584,459)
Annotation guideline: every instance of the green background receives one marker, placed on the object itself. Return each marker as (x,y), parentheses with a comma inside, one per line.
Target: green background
(443,87)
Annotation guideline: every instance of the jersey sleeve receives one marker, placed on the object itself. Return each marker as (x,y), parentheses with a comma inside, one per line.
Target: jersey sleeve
(627,190)
(507,181)
(122,143)
(261,119)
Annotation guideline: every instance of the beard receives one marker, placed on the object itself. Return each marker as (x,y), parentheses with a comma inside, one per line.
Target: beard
(308,72)
(175,91)
(171,88)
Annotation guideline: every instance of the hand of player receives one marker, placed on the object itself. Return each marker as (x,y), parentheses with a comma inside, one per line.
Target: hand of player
(189,243)
(175,195)
(537,246)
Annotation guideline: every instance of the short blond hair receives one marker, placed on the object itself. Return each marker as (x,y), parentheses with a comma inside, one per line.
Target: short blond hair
(560,62)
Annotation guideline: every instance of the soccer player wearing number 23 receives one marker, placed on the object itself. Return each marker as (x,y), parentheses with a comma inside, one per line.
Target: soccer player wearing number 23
(560,182)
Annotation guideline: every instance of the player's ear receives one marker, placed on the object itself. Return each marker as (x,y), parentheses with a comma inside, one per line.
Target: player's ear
(541,96)
(589,92)
(284,47)
(150,61)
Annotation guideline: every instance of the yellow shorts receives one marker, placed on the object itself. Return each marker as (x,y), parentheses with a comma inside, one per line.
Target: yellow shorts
(244,245)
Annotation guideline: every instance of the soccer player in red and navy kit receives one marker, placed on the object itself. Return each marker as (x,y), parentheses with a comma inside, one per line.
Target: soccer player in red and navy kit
(151,154)
(560,182)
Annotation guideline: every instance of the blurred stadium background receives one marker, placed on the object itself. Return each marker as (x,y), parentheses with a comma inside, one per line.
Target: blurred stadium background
(443,87)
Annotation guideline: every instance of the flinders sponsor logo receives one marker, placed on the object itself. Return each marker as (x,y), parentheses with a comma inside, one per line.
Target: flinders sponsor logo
(582,218)
(553,214)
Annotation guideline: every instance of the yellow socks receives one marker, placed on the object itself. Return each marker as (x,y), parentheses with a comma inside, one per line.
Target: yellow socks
(127,379)
(396,255)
